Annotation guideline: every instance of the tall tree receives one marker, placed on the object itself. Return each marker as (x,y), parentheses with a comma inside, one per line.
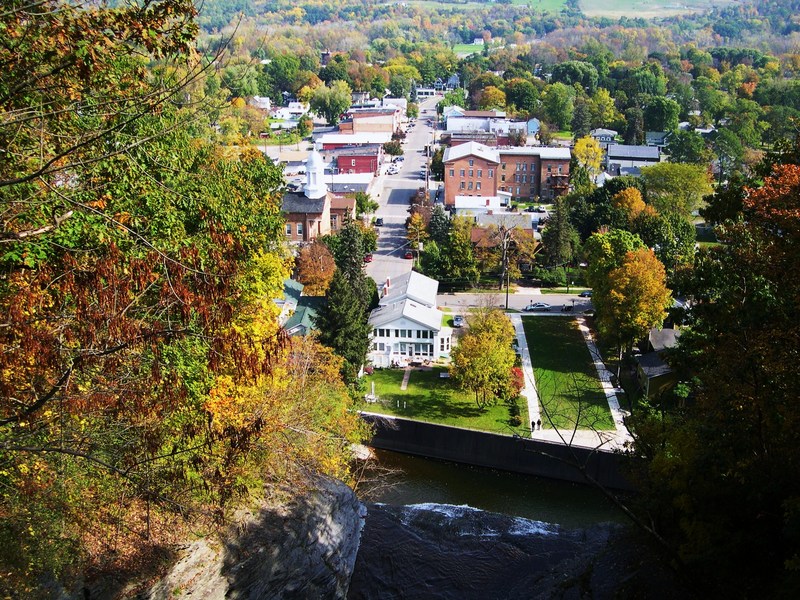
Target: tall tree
(331,101)
(674,187)
(721,478)
(315,266)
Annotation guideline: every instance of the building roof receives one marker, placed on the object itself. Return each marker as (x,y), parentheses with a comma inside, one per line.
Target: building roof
(292,290)
(297,203)
(543,152)
(656,138)
(508,220)
(477,202)
(341,203)
(370,137)
(652,365)
(413,285)
(485,113)
(302,321)
(471,148)
(604,132)
(430,317)
(633,152)
(661,339)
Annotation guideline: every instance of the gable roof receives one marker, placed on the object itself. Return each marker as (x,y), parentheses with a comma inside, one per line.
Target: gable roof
(298,203)
(427,316)
(414,286)
(471,148)
(661,339)
(302,321)
(652,365)
(292,290)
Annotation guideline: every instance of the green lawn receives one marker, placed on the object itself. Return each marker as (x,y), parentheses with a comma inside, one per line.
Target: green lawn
(569,389)
(432,398)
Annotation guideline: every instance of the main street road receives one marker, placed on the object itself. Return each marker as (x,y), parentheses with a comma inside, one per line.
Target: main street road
(394,198)
(460,302)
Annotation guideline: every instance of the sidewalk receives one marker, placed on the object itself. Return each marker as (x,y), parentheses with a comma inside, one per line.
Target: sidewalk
(587,438)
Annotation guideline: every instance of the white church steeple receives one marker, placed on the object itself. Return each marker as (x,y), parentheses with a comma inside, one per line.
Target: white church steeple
(315,177)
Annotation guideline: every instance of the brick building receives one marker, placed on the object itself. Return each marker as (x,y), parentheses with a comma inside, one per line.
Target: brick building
(525,172)
(308,213)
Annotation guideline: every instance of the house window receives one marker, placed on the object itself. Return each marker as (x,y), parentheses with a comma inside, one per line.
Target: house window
(480,172)
(478,185)
(524,166)
(491,173)
(471,173)
(516,178)
(471,162)
(334,224)
(396,333)
(533,166)
(469,187)
(374,333)
(382,347)
(461,187)
(524,179)
(299,230)
(503,166)
(502,178)
(461,172)
(452,172)
(519,167)
(549,168)
(288,229)
(517,191)
(559,168)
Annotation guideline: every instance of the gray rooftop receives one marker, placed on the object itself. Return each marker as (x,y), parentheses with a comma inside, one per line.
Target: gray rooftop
(627,151)
(294,202)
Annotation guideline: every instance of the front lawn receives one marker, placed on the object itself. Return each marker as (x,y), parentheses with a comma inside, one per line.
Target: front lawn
(567,382)
(435,399)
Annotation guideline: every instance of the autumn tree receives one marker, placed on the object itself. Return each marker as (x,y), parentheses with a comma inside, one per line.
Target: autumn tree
(315,268)
(589,154)
(637,298)
(629,200)
(416,232)
(720,475)
(138,267)
(483,359)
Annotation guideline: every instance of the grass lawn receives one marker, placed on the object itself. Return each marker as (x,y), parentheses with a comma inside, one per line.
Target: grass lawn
(432,398)
(569,390)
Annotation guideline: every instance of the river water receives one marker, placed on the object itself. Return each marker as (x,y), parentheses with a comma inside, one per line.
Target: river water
(418,480)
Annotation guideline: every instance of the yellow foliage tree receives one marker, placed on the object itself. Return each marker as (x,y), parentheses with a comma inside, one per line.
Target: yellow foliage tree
(588,153)
(630,200)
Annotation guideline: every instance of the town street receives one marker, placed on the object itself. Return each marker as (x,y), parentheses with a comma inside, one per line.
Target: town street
(393,199)
(460,302)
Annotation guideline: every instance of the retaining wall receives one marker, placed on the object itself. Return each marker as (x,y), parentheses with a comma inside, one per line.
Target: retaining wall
(516,454)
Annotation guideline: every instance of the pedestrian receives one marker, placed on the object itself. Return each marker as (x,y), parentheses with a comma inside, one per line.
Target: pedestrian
(533,425)
(538,423)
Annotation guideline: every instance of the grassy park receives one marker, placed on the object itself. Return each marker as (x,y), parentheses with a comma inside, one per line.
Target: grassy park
(569,389)
(432,398)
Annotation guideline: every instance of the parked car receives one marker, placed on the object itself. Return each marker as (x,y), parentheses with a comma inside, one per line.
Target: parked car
(537,306)
(368,258)
(408,254)
(458,321)
(586,294)
(541,209)
(379,222)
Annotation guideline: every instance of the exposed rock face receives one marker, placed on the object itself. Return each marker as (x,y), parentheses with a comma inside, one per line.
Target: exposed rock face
(306,549)
(441,552)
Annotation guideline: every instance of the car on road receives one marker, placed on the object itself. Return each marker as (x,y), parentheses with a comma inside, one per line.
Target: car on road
(541,209)
(368,258)
(408,254)
(458,321)
(379,221)
(586,294)
(537,306)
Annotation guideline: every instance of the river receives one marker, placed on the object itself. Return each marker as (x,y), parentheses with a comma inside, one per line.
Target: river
(418,480)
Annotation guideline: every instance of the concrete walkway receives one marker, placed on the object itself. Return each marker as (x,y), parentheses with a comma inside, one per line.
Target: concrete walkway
(529,391)
(586,438)
(406,377)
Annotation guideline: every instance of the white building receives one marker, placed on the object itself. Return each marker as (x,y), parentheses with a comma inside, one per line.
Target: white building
(407,326)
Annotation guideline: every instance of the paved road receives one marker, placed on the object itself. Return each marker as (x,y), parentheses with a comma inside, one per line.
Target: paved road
(461,302)
(393,200)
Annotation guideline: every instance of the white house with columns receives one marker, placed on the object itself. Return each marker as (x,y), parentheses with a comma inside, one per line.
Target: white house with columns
(406,325)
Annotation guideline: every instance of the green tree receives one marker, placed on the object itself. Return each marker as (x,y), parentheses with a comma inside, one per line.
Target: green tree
(393,148)
(459,253)
(634,130)
(439,225)
(661,114)
(558,104)
(343,324)
(559,238)
(331,101)
(483,359)
(365,204)
(523,95)
(572,72)
(675,187)
(687,147)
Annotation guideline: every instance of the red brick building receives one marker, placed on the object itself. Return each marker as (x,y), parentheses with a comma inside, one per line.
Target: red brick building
(525,172)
